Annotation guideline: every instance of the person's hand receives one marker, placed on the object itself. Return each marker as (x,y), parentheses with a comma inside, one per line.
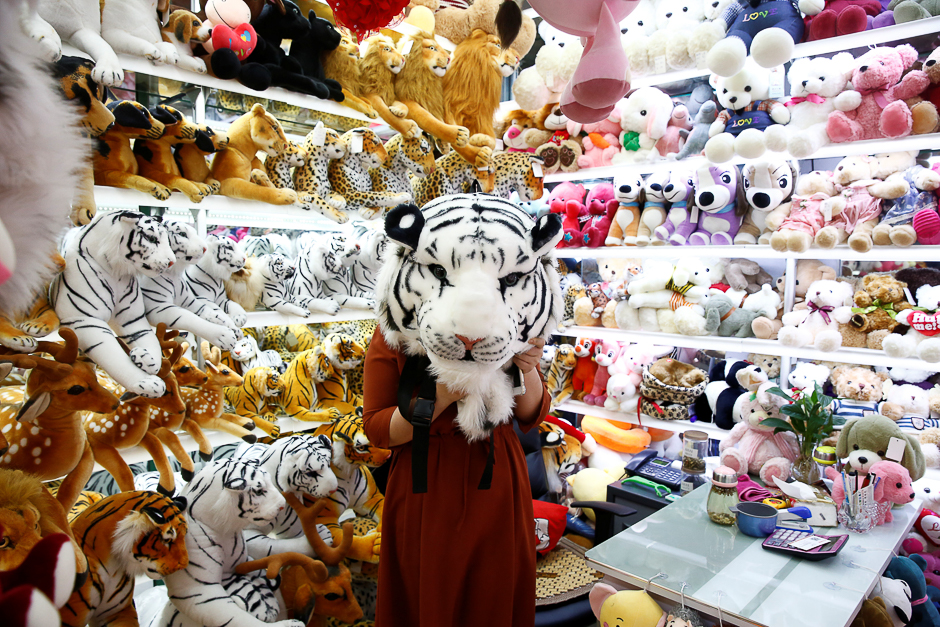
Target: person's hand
(530,359)
(446,397)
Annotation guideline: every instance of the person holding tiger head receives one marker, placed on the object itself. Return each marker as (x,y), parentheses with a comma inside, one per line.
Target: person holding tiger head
(466,296)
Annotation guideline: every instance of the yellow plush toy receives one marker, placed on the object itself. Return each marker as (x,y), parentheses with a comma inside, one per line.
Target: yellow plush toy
(625,608)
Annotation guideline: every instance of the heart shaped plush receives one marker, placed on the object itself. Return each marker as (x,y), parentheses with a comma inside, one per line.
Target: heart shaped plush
(241,40)
(365,18)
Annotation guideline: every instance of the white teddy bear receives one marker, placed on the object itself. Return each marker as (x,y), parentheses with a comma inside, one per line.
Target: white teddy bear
(635,33)
(701,273)
(676,20)
(925,345)
(555,63)
(807,375)
(814,85)
(750,122)
(815,322)
(643,118)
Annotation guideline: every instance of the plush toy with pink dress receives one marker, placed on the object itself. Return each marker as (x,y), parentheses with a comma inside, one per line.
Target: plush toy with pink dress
(875,107)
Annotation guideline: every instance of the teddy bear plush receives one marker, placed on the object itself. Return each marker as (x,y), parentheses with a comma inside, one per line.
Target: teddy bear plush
(897,221)
(560,151)
(815,322)
(520,132)
(859,203)
(923,106)
(858,392)
(865,440)
(808,271)
(770,364)
(676,21)
(768,186)
(908,405)
(875,106)
(762,30)
(815,201)
(920,339)
(635,33)
(663,288)
(626,222)
(748,114)
(814,84)
(825,19)
(878,302)
(754,448)
(806,375)
(644,118)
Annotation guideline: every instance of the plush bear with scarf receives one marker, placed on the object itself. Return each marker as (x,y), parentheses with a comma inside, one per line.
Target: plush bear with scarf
(765,29)
(747,117)
(754,448)
(644,118)
(662,288)
(875,106)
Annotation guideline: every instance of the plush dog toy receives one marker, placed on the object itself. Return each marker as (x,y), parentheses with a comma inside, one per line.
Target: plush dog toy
(864,441)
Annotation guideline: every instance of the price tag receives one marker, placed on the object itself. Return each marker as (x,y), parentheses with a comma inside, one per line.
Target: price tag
(356,143)
(319,135)
(659,65)
(808,543)
(499,146)
(776,83)
(908,296)
(895,449)
(406,48)
(537,169)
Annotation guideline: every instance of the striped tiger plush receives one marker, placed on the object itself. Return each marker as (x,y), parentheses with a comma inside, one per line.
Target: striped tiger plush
(276,270)
(299,464)
(168,298)
(362,256)
(225,498)
(321,278)
(469,280)
(124,536)
(353,456)
(98,294)
(560,453)
(558,382)
(206,278)
(86,499)
(299,398)
(246,355)
(259,389)
(335,392)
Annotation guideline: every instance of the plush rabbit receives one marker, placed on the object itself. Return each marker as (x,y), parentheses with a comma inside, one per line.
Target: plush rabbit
(644,120)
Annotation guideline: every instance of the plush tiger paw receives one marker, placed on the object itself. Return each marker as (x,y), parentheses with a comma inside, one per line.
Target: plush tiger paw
(36,328)
(413,132)
(80,216)
(214,185)
(369,213)
(463,136)
(149,387)
(225,338)
(160,192)
(145,360)
(19,343)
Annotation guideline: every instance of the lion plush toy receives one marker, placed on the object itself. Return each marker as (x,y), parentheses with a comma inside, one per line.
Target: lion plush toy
(464,291)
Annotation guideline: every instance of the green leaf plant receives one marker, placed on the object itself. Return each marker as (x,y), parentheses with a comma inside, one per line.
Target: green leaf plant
(810,418)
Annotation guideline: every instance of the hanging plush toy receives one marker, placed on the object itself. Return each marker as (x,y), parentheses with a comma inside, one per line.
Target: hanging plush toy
(625,607)
(473,318)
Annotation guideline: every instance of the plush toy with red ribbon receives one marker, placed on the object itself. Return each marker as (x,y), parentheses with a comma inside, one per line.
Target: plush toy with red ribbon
(366,18)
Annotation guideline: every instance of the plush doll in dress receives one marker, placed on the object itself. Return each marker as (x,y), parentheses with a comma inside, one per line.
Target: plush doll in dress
(875,106)
(479,322)
(814,203)
(750,119)
(768,186)
(754,448)
(111,251)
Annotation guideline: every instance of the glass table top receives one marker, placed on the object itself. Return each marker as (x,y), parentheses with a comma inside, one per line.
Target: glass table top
(723,567)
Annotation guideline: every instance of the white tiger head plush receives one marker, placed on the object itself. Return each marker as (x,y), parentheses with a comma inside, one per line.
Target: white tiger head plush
(186,244)
(276,267)
(366,249)
(125,243)
(301,464)
(469,280)
(245,349)
(222,257)
(229,495)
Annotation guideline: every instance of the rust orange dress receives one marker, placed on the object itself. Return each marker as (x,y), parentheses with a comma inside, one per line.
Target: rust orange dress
(455,556)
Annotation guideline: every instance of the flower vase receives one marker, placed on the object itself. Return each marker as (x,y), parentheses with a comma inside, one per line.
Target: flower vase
(806,470)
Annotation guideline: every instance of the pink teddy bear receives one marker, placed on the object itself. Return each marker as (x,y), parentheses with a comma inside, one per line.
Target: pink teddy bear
(566,200)
(876,107)
(753,448)
(601,205)
(602,141)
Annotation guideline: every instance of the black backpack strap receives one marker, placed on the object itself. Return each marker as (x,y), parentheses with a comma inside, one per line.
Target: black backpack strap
(415,375)
(487,479)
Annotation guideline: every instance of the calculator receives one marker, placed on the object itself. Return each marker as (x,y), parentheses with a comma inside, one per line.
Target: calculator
(659,469)
(780,540)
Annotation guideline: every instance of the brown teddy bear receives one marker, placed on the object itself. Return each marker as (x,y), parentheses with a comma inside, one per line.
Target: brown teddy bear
(808,271)
(924,106)
(881,296)
(858,389)
(672,372)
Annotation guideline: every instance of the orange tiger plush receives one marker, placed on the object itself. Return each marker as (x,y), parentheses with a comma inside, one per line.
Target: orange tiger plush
(123,536)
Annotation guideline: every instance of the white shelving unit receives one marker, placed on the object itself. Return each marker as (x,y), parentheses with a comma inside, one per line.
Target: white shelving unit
(878,253)
(579,407)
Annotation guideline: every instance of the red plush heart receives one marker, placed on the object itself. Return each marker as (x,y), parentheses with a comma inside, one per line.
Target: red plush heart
(365,18)
(241,40)
(928,324)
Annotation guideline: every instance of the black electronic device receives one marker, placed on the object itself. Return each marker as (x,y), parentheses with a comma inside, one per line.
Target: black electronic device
(648,465)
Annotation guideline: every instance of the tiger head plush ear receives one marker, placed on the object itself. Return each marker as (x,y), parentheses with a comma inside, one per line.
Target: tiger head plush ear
(545,234)
(404,224)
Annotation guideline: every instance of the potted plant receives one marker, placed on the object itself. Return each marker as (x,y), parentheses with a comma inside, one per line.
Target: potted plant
(810,420)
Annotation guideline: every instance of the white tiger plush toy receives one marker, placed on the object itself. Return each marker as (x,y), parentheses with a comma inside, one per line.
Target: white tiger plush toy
(299,464)
(362,257)
(269,243)
(249,355)
(272,274)
(468,280)
(98,295)
(206,278)
(225,498)
(321,276)
(169,299)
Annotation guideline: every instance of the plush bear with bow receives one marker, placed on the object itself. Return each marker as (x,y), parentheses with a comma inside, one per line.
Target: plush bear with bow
(754,448)
(816,321)
(875,108)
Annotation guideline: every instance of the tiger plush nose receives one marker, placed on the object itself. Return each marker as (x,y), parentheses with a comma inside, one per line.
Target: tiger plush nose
(467,342)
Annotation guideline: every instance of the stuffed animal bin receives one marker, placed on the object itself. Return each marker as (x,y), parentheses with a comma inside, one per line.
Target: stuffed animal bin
(475,308)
